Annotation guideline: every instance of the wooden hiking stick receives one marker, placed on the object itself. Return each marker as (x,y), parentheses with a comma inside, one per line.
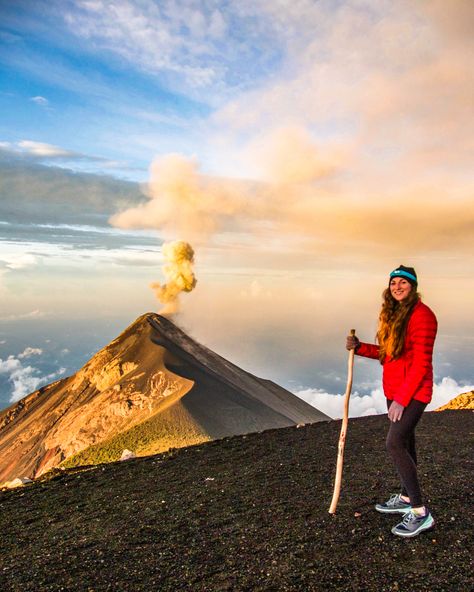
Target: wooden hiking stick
(342,435)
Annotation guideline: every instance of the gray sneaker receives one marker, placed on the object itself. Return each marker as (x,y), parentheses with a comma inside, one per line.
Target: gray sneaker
(411,525)
(395,505)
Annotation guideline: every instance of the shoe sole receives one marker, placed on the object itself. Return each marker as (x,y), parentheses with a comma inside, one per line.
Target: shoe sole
(427,526)
(392,511)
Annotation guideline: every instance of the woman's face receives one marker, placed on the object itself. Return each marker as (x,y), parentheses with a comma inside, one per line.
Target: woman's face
(400,288)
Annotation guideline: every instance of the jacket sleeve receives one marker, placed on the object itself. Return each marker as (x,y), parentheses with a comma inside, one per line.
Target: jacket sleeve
(422,331)
(368,350)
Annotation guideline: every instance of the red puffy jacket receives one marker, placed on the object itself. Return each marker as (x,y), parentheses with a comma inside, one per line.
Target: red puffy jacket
(411,375)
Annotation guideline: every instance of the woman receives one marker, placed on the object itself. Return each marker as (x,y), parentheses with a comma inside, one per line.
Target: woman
(406,335)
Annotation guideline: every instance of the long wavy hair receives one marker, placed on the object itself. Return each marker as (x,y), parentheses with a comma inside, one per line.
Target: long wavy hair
(393,322)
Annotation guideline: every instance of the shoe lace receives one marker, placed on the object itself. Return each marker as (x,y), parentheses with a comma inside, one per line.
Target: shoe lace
(409,517)
(393,499)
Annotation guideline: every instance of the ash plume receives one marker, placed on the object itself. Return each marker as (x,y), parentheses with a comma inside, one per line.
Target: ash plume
(182,201)
(178,270)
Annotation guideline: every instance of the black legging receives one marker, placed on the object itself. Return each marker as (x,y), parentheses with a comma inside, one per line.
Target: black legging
(401,447)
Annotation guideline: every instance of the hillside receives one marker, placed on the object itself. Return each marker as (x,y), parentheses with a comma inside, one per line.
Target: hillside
(150,389)
(463,401)
(247,513)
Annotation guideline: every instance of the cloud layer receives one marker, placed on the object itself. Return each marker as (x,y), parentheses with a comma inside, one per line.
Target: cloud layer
(349,143)
(25,379)
(375,402)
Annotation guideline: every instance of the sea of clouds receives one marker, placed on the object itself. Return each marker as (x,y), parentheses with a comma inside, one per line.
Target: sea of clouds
(24,378)
(374,403)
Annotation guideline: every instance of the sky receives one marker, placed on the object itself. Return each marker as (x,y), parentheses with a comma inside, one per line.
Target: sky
(304,149)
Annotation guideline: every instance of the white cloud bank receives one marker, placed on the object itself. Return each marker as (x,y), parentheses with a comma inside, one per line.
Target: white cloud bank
(374,403)
(25,379)
(30,351)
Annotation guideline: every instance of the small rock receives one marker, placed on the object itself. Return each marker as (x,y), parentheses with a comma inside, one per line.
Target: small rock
(18,482)
(127,455)
(357,514)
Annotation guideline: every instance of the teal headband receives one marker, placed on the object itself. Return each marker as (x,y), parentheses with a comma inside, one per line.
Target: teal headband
(403,273)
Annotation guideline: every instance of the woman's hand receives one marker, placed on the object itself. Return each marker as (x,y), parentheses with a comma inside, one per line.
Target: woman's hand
(396,411)
(352,342)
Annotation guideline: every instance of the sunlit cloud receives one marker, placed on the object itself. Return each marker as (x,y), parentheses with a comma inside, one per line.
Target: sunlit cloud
(44,152)
(307,205)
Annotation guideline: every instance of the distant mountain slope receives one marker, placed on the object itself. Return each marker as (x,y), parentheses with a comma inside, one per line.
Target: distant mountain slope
(464,401)
(153,387)
(247,513)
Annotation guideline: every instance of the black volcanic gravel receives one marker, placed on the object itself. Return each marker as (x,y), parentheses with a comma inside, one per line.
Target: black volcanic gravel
(247,513)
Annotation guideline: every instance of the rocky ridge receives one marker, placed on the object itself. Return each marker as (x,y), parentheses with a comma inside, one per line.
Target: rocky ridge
(463,401)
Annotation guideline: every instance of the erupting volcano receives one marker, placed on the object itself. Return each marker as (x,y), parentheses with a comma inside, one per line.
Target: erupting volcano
(151,389)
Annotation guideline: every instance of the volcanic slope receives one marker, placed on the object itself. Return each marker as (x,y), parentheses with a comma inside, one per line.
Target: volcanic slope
(463,401)
(151,389)
(247,513)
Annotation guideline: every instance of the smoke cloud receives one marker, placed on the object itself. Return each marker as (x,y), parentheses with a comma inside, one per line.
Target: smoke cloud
(182,201)
(179,274)
(289,155)
(306,195)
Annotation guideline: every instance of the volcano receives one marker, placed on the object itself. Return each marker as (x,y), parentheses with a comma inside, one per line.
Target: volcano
(151,389)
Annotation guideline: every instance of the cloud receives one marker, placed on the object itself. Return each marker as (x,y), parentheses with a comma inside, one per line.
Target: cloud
(41,101)
(290,155)
(256,291)
(43,152)
(307,206)
(447,389)
(196,46)
(174,39)
(375,402)
(24,379)
(21,261)
(182,201)
(64,196)
(34,314)
(342,142)
(372,109)
(332,405)
(30,351)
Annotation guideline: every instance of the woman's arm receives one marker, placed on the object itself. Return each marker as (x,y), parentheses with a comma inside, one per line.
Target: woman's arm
(368,350)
